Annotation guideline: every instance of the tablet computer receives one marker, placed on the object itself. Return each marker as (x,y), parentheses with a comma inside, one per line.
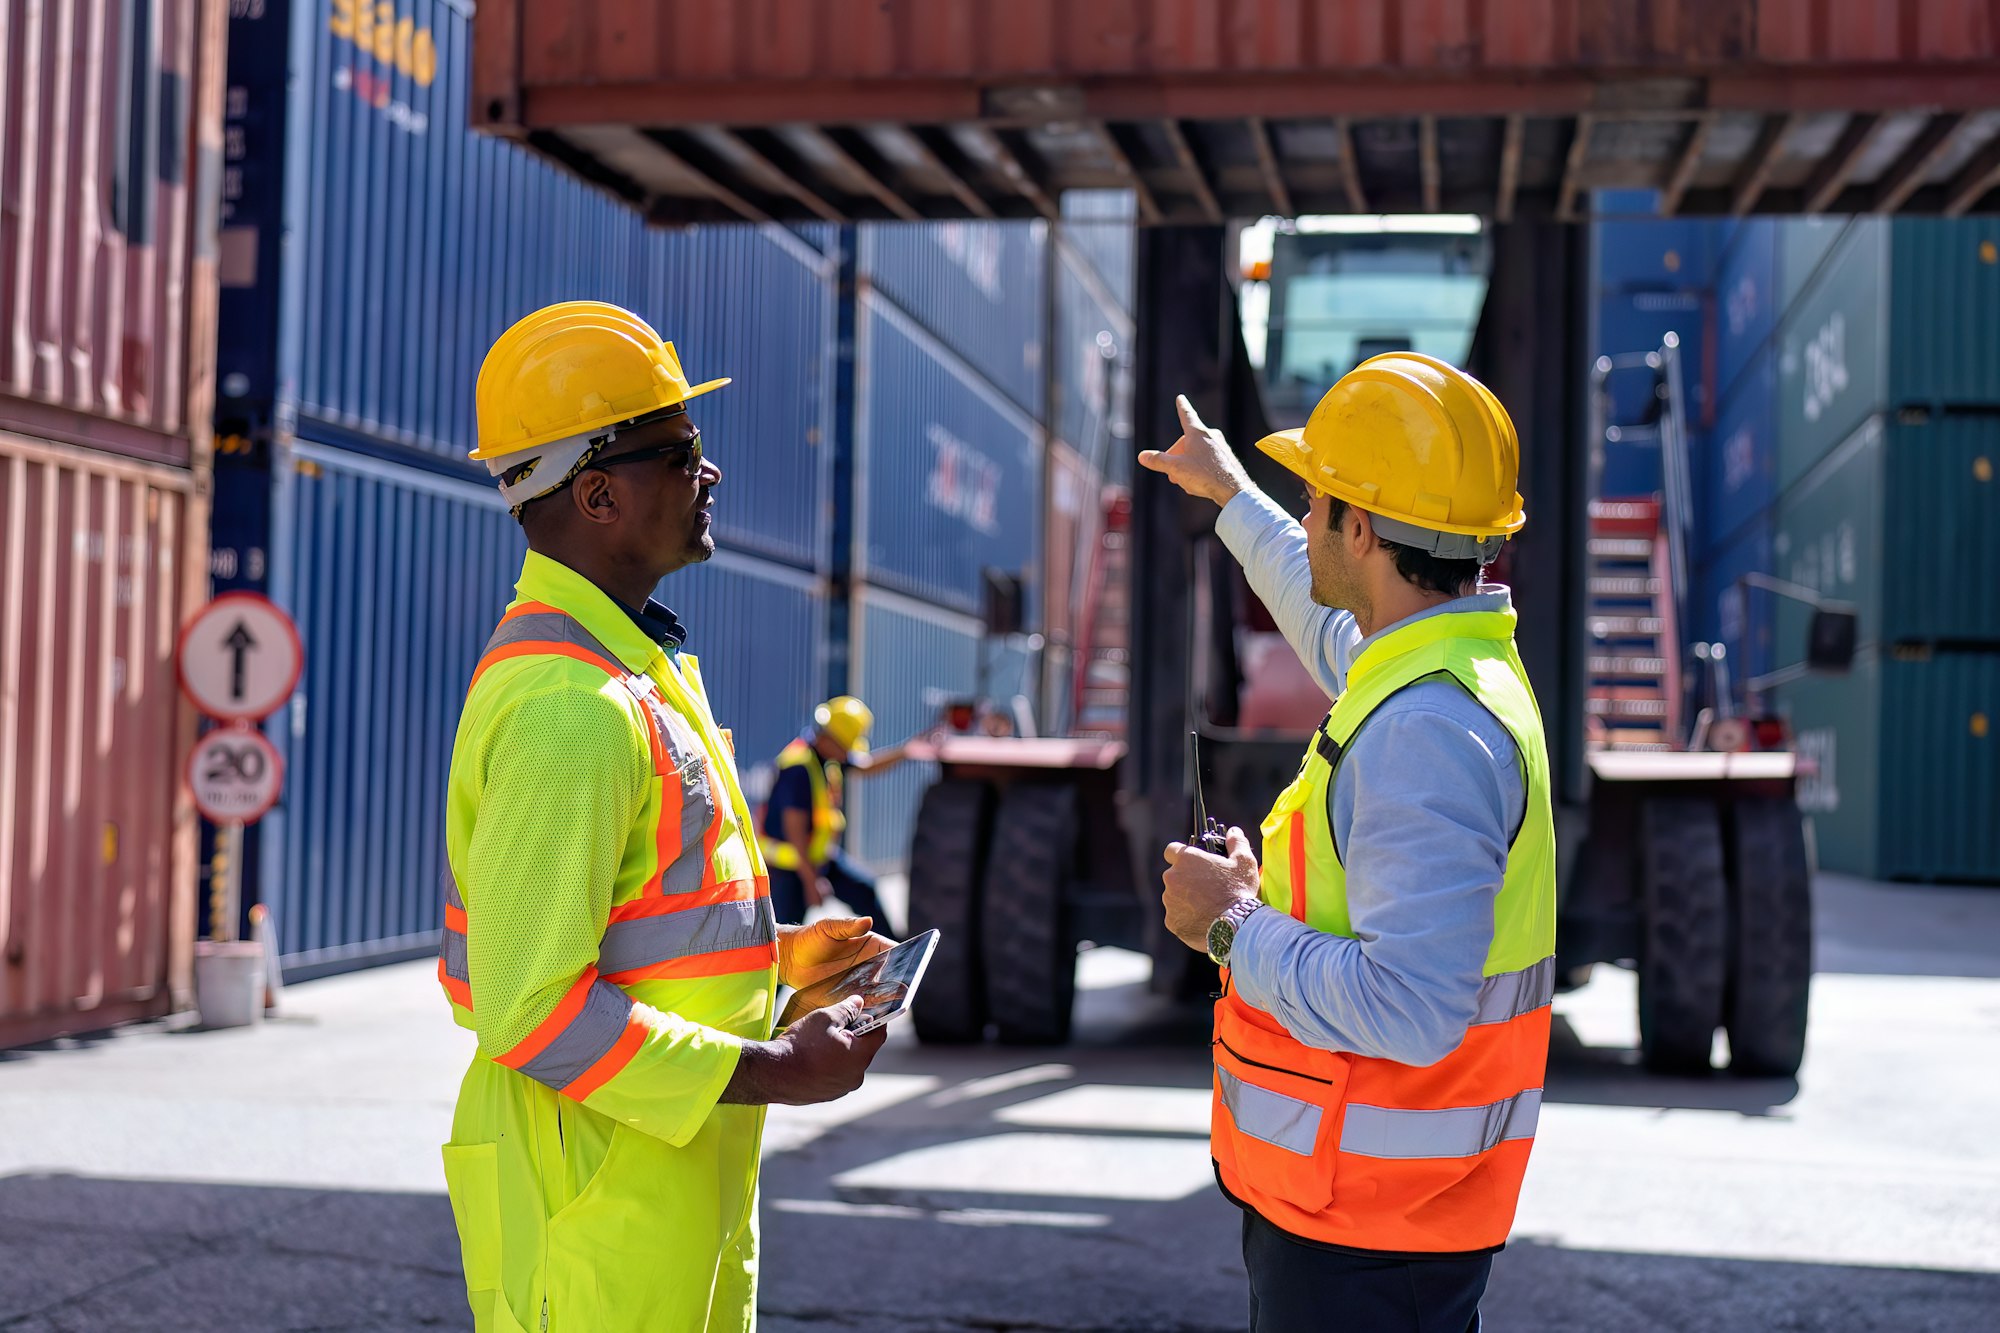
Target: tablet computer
(887,982)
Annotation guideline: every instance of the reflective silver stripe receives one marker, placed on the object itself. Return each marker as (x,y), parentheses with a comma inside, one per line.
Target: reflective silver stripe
(1511,994)
(547,627)
(646,940)
(684,751)
(1462,1131)
(588,1037)
(452,950)
(451,895)
(1284,1122)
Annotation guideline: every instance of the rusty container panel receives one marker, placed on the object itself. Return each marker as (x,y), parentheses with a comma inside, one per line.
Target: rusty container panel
(899,58)
(110,122)
(96,832)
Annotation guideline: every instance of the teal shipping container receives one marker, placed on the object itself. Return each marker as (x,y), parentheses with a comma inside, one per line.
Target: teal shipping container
(1901,314)
(1901,765)
(1901,520)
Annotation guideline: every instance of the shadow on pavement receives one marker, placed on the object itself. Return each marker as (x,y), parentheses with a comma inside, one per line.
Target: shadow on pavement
(81,1255)
(1905,930)
(1612,1076)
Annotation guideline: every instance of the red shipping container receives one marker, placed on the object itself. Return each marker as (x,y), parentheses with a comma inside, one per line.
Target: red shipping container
(110,148)
(97,834)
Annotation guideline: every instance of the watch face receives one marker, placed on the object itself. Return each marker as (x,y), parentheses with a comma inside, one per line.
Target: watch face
(1221,932)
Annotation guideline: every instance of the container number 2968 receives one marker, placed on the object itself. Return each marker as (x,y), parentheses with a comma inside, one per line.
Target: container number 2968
(398,43)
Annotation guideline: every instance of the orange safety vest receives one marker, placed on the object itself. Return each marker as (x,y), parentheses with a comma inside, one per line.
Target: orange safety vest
(1368,1154)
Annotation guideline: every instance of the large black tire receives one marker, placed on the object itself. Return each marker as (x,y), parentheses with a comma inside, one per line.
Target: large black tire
(1770,953)
(1030,955)
(947,863)
(1685,950)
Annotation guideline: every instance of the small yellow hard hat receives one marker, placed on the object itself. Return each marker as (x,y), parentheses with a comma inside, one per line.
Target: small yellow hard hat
(847,720)
(1421,445)
(571,369)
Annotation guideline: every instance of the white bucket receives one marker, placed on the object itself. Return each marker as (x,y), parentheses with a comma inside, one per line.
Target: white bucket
(229,982)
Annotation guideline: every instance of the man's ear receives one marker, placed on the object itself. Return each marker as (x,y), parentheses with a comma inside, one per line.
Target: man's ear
(1361,537)
(595,498)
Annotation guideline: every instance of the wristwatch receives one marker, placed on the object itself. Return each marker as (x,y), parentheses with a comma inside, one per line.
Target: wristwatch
(1222,931)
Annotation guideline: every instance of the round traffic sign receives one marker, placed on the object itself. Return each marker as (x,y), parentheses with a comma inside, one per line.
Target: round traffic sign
(240,657)
(235,775)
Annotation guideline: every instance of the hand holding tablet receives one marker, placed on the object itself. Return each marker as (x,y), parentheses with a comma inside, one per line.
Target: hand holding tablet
(886,983)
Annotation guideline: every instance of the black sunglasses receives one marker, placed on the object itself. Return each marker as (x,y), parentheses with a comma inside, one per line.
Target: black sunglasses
(692,447)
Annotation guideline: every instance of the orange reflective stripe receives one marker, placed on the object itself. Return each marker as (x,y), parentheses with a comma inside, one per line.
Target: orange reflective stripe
(543,648)
(752,958)
(1299,864)
(608,1067)
(730,891)
(551,1027)
(454,918)
(531,609)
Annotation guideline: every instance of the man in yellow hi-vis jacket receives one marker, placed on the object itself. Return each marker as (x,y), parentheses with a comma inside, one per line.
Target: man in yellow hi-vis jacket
(609,933)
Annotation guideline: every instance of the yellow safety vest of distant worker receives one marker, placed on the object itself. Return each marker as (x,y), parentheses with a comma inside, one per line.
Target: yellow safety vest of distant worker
(608,927)
(1334,1149)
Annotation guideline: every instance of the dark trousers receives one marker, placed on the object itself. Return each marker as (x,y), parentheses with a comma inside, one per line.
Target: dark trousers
(1295,1288)
(851,884)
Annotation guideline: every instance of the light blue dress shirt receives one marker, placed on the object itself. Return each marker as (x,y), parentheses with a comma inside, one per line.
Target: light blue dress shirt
(1424,804)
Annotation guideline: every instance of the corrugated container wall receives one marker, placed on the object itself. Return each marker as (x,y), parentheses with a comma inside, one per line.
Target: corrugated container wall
(96,828)
(1738,617)
(1746,301)
(1903,765)
(949,473)
(414,243)
(910,659)
(395,577)
(1101,226)
(1740,464)
(977,287)
(1093,358)
(108,157)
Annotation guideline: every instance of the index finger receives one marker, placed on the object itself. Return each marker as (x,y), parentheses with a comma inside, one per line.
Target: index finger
(1190,419)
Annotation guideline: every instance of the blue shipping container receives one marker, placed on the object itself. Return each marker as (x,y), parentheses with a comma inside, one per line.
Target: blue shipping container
(949,475)
(396,578)
(411,243)
(980,288)
(1738,617)
(1101,225)
(1093,357)
(1739,464)
(1635,253)
(909,660)
(1639,322)
(1746,299)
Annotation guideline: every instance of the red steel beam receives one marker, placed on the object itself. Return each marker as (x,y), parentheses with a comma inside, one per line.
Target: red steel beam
(1510,168)
(1902,179)
(1830,178)
(1683,172)
(1267,163)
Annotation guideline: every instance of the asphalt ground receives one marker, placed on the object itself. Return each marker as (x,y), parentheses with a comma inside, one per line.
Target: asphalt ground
(286,1177)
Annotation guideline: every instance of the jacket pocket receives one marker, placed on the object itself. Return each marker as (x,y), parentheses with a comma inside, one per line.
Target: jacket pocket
(472,1176)
(1277,1117)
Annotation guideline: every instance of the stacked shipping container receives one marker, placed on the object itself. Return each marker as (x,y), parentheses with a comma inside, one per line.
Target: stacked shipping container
(372,248)
(348,360)
(988,396)
(1855,441)
(109,138)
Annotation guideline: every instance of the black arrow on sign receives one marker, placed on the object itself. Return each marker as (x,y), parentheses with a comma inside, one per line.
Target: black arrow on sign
(239,642)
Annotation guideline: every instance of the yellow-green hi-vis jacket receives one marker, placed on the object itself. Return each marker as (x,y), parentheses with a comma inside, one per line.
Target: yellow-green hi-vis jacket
(609,937)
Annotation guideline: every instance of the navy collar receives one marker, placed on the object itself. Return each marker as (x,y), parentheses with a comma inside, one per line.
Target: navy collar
(657,622)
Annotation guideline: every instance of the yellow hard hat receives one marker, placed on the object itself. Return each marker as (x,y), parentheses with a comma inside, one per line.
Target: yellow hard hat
(847,720)
(1422,446)
(569,370)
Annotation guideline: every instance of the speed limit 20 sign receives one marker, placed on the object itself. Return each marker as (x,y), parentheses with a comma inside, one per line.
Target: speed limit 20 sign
(235,775)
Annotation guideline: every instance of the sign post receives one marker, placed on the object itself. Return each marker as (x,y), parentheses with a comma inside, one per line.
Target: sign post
(240,659)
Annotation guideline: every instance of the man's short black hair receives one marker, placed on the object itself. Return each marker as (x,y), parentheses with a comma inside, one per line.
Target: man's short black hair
(1447,578)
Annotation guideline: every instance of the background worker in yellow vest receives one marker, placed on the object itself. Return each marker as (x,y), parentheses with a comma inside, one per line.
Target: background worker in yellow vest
(608,927)
(804,818)
(1382,1033)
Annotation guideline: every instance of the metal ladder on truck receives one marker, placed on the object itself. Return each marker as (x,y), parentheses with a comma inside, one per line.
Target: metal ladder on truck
(1104,668)
(1637,591)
